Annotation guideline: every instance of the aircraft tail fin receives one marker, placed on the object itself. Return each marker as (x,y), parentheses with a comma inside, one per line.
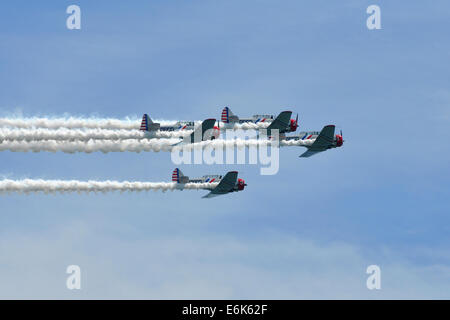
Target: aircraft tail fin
(228,116)
(148,125)
(178,176)
(145,122)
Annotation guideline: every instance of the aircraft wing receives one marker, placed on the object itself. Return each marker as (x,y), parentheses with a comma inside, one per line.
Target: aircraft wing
(308,153)
(322,142)
(225,185)
(280,122)
(206,125)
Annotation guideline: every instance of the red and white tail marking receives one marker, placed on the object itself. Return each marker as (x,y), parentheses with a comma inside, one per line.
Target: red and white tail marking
(176,175)
(144,123)
(225,114)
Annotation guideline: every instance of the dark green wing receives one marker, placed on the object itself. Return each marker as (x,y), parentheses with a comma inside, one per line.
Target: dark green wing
(280,123)
(323,142)
(199,132)
(225,185)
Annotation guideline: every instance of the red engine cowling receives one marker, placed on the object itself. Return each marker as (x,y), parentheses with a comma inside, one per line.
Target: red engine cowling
(339,140)
(293,125)
(241,184)
(216,132)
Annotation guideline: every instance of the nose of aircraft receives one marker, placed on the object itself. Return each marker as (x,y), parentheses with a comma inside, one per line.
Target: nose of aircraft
(294,124)
(339,140)
(241,184)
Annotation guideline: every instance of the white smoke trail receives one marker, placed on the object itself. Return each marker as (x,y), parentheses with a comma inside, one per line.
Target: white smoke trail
(242,143)
(298,143)
(245,126)
(134,145)
(103,123)
(131,145)
(70,123)
(27,186)
(84,135)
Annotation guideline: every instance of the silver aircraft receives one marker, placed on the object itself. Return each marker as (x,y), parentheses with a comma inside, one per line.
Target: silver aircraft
(216,184)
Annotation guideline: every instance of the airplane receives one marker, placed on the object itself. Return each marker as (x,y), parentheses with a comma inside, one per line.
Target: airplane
(282,122)
(229,117)
(323,140)
(223,185)
(147,125)
(208,130)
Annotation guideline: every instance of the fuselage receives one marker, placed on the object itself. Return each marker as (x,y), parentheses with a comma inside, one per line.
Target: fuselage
(207,179)
(312,135)
(215,180)
(180,125)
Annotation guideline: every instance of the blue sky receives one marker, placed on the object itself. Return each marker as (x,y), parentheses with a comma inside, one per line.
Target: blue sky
(308,232)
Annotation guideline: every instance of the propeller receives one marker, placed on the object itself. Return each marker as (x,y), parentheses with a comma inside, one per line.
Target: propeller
(340,130)
(293,124)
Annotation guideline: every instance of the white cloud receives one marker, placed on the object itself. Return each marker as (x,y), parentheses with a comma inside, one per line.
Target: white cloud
(160,267)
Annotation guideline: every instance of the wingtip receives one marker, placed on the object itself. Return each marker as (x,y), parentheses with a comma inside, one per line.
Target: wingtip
(178,143)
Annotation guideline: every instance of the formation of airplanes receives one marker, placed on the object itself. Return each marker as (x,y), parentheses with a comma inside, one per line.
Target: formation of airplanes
(321,140)
(208,130)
